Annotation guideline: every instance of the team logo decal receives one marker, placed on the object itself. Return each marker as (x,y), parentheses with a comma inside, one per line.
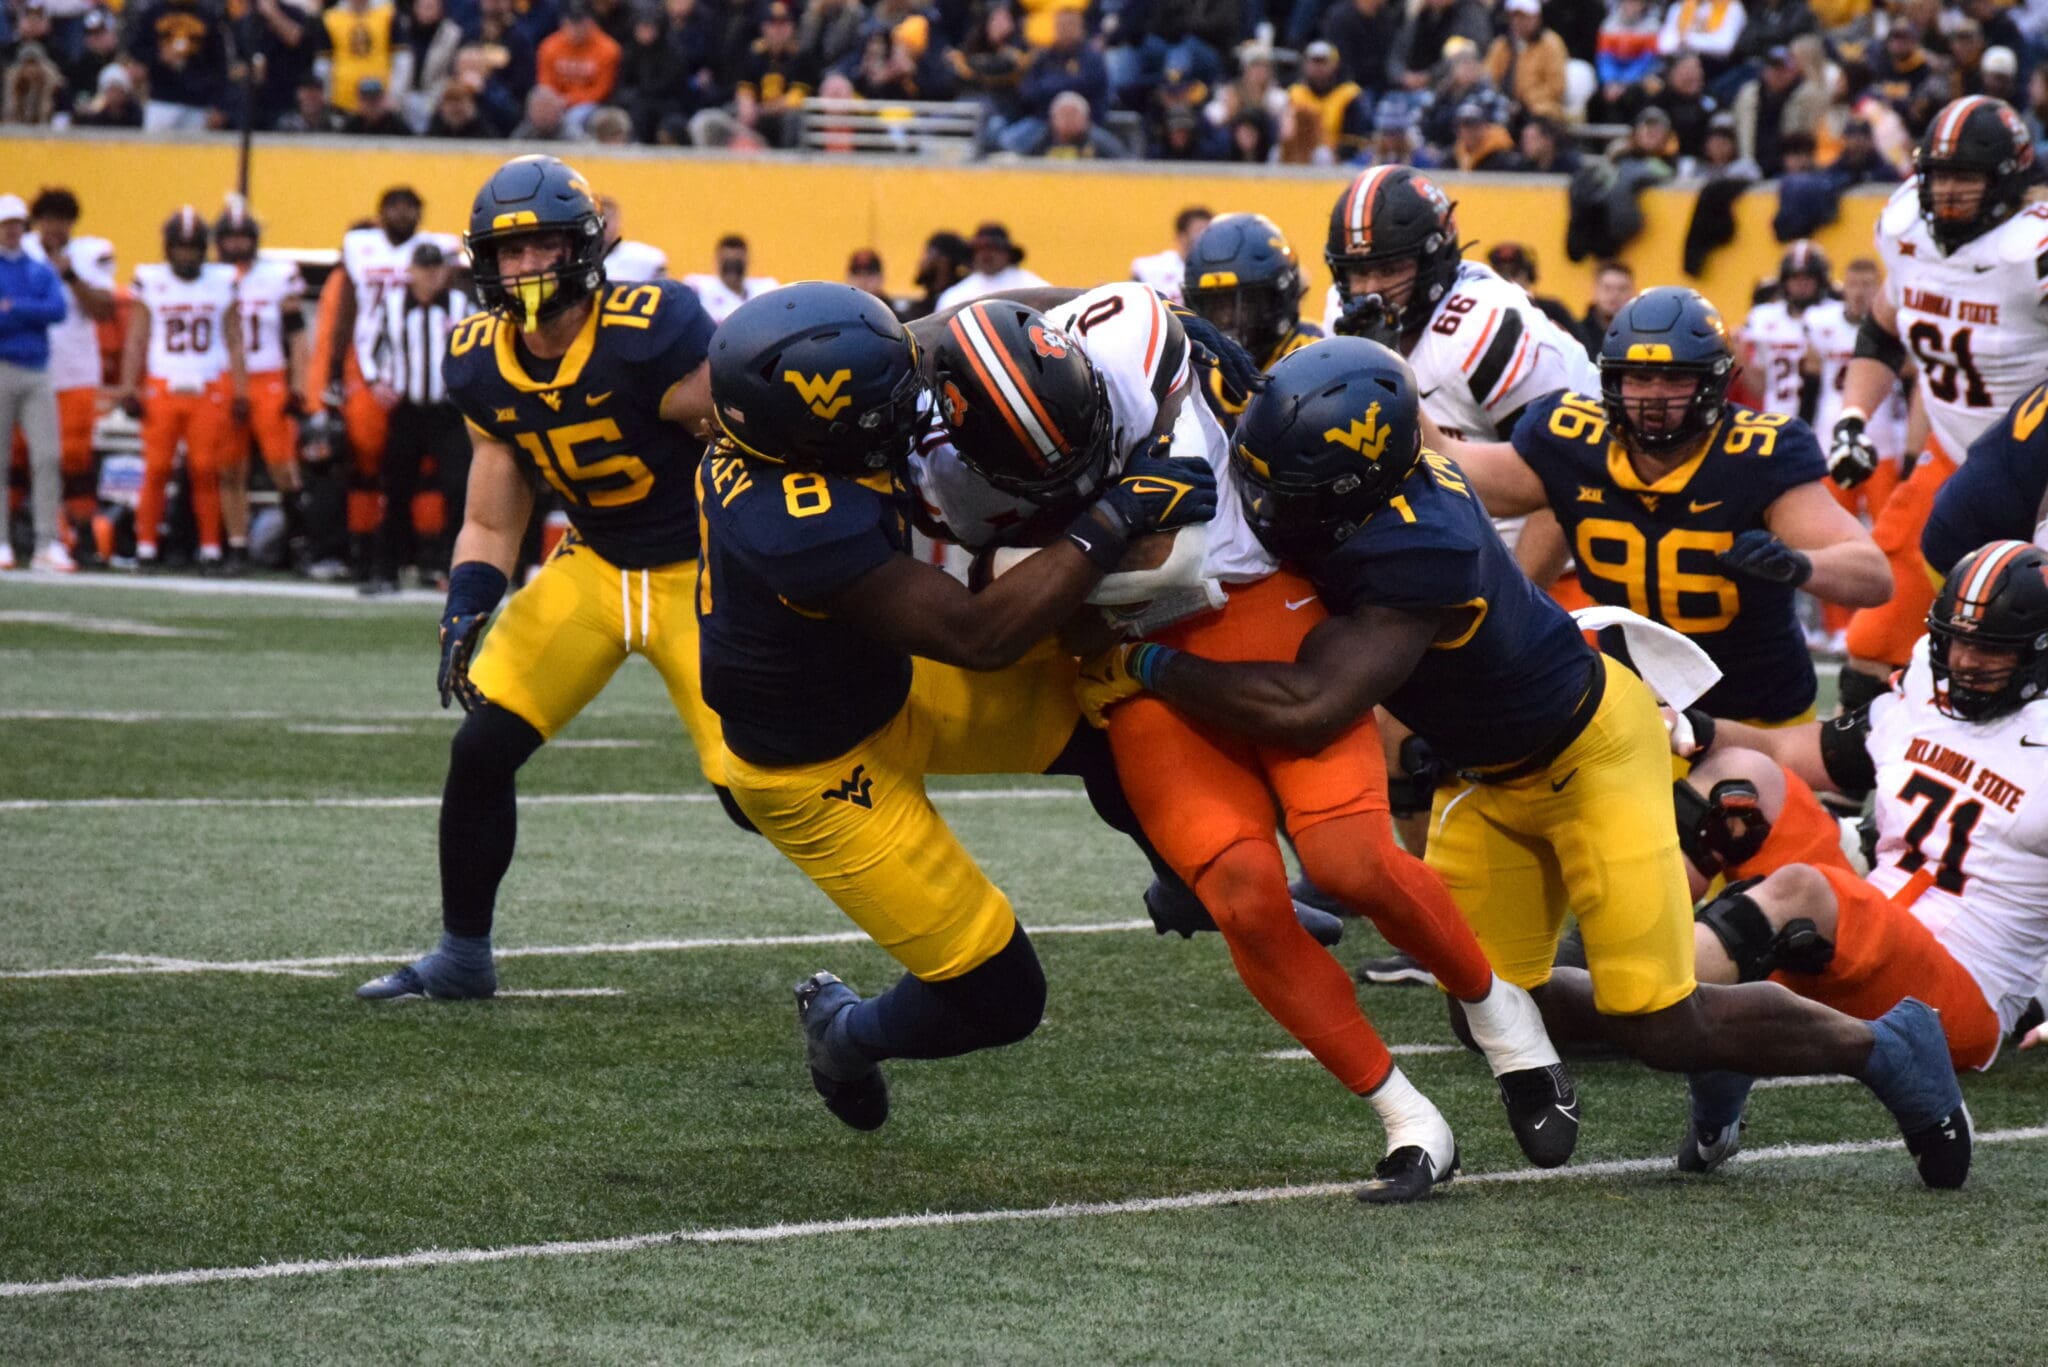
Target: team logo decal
(953,402)
(856,788)
(1366,435)
(1047,342)
(820,393)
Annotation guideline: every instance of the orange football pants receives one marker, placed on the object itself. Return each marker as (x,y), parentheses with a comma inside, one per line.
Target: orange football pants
(1803,832)
(1206,799)
(271,424)
(1865,500)
(200,423)
(1887,634)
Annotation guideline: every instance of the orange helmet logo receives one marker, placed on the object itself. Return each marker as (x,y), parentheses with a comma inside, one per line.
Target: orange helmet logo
(1047,342)
(953,402)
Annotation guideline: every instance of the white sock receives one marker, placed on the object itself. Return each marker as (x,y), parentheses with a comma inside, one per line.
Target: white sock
(1508,1028)
(1412,1118)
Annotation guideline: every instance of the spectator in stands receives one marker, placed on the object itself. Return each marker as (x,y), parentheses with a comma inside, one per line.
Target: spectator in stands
(830,30)
(362,41)
(1772,23)
(508,57)
(286,37)
(1780,101)
(1721,155)
(1546,148)
(436,38)
(1999,27)
(1394,138)
(181,46)
(1858,162)
(1330,118)
(1464,81)
(99,44)
(998,265)
(1255,91)
(546,117)
(898,62)
(1481,144)
(1516,263)
(1363,32)
(943,264)
(580,61)
(1965,41)
(1709,27)
(988,66)
(1685,101)
(1614,284)
(31,86)
(1071,133)
(2000,75)
(1251,140)
(1626,57)
(609,126)
(774,81)
(1069,63)
(1184,135)
(310,111)
(493,100)
(113,104)
(1527,62)
(456,115)
(373,114)
(1425,38)
(1905,75)
(614,17)
(2036,111)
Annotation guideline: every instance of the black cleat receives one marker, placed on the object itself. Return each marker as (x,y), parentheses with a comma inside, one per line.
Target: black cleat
(853,1089)
(1707,1149)
(1942,1150)
(1307,893)
(1407,1174)
(1175,910)
(1395,970)
(1543,1111)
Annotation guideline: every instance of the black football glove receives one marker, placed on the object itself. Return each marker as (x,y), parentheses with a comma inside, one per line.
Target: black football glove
(1758,555)
(474,590)
(1240,374)
(1368,316)
(1157,493)
(1851,457)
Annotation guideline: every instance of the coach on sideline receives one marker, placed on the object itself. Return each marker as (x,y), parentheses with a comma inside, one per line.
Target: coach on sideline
(31,302)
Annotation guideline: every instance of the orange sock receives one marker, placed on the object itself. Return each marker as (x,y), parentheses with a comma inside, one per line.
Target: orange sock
(1293,977)
(1355,860)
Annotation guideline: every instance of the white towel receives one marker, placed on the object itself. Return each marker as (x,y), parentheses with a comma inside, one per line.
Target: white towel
(1672,664)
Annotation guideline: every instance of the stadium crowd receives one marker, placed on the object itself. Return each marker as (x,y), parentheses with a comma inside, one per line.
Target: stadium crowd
(1835,86)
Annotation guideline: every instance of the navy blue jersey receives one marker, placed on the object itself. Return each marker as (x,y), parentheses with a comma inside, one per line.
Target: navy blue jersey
(792,685)
(1511,679)
(592,428)
(1650,547)
(2001,491)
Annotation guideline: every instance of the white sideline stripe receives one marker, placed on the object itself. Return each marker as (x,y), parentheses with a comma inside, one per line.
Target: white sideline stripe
(136,964)
(105,626)
(1398,1050)
(602,744)
(564,992)
(135,718)
(230,588)
(346,729)
(1816,1080)
(764,1234)
(45,804)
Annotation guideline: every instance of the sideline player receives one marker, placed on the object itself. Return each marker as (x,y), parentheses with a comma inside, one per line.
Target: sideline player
(274,351)
(185,339)
(1780,354)
(627,262)
(1023,395)
(597,392)
(845,670)
(1563,791)
(1955,910)
(86,266)
(1966,298)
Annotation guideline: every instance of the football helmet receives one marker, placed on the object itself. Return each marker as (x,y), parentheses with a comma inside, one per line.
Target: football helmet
(185,242)
(1975,134)
(1389,214)
(1243,276)
(535,194)
(819,376)
(1996,595)
(1024,404)
(235,225)
(1325,444)
(1804,261)
(1669,330)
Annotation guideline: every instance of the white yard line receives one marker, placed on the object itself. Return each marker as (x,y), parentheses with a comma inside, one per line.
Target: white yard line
(563,992)
(138,718)
(1398,1050)
(1817,1080)
(131,965)
(121,804)
(227,588)
(764,1234)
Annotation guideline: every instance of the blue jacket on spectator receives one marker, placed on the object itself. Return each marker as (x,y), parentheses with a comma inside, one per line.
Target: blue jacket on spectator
(31,302)
(1053,72)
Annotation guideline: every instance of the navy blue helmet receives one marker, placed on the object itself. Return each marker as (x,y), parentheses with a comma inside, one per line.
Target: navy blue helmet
(819,376)
(1669,331)
(1325,444)
(528,195)
(1243,276)
(1996,596)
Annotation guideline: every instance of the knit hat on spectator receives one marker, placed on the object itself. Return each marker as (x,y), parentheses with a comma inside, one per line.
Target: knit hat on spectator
(915,33)
(11,209)
(2000,61)
(996,235)
(1319,51)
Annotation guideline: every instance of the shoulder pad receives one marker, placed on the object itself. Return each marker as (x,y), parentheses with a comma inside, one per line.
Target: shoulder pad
(2023,238)
(1900,213)
(641,322)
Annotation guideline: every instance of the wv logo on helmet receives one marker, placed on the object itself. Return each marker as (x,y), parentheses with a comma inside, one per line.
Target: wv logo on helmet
(855,788)
(1367,436)
(820,393)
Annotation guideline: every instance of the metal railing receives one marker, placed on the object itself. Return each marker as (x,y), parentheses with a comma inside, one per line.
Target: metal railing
(940,132)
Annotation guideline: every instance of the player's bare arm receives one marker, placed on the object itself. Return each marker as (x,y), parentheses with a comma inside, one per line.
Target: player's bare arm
(134,348)
(238,361)
(500,503)
(1504,482)
(1848,568)
(688,401)
(1871,373)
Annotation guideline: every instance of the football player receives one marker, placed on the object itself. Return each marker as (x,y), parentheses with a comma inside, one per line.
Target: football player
(1955,909)
(627,262)
(1966,299)
(274,347)
(1688,509)
(600,393)
(1780,353)
(1243,276)
(2001,491)
(845,670)
(86,266)
(1563,779)
(185,341)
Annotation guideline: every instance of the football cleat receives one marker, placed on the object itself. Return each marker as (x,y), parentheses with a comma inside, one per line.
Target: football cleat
(1407,1174)
(1707,1149)
(1394,970)
(1175,910)
(437,976)
(1717,1099)
(1543,1111)
(1911,1073)
(1304,891)
(853,1088)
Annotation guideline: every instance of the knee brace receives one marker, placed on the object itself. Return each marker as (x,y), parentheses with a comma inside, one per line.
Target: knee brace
(1412,792)
(1726,827)
(1758,948)
(1858,689)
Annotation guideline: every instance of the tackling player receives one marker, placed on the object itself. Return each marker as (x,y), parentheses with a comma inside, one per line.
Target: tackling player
(1243,276)
(2001,491)
(595,391)
(1966,297)
(845,670)
(185,339)
(1563,789)
(274,348)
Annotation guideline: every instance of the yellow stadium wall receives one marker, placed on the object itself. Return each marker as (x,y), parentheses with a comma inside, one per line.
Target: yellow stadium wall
(1081,225)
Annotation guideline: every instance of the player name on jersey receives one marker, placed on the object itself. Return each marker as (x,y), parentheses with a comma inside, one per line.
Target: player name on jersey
(1982,780)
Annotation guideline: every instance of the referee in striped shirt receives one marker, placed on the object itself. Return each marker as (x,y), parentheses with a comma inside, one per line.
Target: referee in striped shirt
(402,365)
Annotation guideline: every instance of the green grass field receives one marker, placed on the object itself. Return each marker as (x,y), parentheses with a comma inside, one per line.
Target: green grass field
(189,779)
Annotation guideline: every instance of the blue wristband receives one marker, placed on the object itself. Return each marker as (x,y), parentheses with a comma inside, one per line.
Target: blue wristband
(1147,660)
(474,588)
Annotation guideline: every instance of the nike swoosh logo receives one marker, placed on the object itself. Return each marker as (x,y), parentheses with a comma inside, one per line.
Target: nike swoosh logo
(1981,269)
(1082,542)
(1703,507)
(595,399)
(1558,786)
(1296,604)
(2029,743)
(1427,392)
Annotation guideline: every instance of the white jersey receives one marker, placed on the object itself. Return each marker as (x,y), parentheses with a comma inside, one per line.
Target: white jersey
(635,263)
(188,346)
(979,286)
(1779,341)
(1163,271)
(1141,353)
(265,287)
(1975,320)
(1966,804)
(377,266)
(719,299)
(75,343)
(1834,338)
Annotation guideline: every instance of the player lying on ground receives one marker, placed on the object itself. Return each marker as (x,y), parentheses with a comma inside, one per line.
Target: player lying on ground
(1564,782)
